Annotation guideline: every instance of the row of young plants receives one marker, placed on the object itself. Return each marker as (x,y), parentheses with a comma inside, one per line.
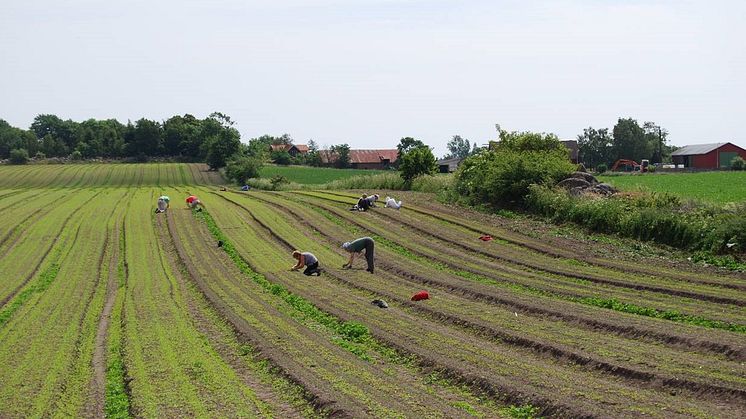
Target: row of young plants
(610,347)
(537,280)
(367,347)
(392,326)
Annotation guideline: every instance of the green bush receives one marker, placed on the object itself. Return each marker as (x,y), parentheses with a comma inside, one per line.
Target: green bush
(40,155)
(242,168)
(19,156)
(737,163)
(503,177)
(601,168)
(417,162)
(76,155)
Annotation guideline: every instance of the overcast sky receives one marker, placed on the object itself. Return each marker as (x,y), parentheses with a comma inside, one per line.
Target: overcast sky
(368,72)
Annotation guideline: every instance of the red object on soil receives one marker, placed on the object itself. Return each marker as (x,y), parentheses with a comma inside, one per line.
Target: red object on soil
(485,238)
(190,199)
(422,295)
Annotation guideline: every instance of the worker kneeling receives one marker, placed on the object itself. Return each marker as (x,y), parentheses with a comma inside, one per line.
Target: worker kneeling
(308,260)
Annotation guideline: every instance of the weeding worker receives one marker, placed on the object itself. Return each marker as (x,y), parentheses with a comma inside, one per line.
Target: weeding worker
(308,260)
(357,246)
(164,202)
(194,202)
(362,204)
(391,203)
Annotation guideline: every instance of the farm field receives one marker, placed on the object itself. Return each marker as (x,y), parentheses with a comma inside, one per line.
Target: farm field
(314,175)
(137,314)
(713,187)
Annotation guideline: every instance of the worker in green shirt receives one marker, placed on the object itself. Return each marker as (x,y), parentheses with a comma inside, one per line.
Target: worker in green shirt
(357,246)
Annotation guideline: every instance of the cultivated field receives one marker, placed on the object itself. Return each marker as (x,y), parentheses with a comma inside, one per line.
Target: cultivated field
(106,307)
(714,187)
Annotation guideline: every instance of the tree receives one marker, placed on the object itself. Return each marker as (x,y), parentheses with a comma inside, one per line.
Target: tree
(529,141)
(181,136)
(459,147)
(594,147)
(19,156)
(630,141)
(417,162)
(12,138)
(281,157)
(343,155)
(657,138)
(406,144)
(242,167)
(145,138)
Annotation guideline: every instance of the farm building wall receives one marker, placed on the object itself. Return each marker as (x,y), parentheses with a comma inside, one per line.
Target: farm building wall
(710,160)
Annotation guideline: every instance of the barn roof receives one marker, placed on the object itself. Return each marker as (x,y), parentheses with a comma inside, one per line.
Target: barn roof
(303,148)
(373,156)
(697,149)
(362,156)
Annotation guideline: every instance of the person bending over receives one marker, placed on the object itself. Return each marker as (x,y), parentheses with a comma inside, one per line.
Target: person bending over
(357,246)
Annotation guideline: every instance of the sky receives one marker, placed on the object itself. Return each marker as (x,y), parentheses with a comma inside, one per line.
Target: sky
(369,72)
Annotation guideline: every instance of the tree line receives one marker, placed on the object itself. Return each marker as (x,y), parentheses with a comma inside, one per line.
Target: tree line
(627,140)
(186,138)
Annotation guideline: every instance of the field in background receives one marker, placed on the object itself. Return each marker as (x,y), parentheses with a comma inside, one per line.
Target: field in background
(109,308)
(86,175)
(315,175)
(713,187)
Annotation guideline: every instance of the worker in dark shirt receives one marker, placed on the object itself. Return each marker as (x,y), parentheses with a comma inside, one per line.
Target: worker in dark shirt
(357,246)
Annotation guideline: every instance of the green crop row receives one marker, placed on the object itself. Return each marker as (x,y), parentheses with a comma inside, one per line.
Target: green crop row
(116,399)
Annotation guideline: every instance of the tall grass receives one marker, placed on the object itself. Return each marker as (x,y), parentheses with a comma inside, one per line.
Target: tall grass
(659,217)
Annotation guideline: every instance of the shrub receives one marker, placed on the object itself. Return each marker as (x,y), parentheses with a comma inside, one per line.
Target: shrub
(601,168)
(242,168)
(503,177)
(417,162)
(76,155)
(19,156)
(737,163)
(40,155)
(282,158)
(278,180)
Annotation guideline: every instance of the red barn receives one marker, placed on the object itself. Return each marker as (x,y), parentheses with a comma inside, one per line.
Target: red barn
(363,159)
(707,156)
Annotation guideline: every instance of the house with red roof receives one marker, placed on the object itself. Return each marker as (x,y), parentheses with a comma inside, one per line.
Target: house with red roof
(363,159)
(292,149)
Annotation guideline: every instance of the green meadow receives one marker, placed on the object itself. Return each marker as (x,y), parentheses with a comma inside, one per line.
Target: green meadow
(712,187)
(315,175)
